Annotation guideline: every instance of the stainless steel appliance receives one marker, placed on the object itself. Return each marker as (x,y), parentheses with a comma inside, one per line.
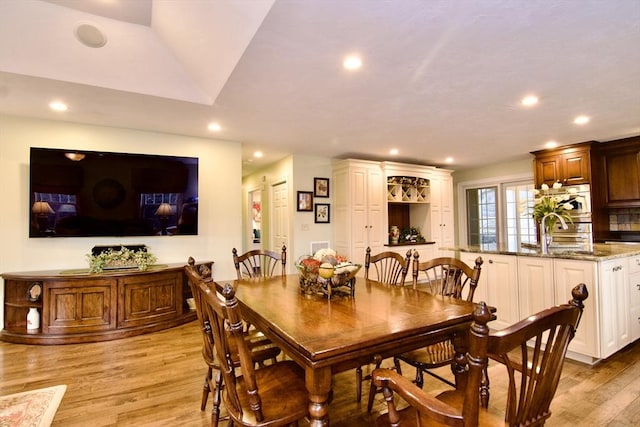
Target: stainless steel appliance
(578,235)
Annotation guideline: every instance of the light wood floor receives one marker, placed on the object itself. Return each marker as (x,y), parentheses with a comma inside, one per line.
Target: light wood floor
(156,380)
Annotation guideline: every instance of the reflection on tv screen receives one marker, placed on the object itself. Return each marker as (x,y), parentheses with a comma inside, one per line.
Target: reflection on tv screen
(75,193)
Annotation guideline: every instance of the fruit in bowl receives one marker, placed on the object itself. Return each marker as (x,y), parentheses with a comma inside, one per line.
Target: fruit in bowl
(326,271)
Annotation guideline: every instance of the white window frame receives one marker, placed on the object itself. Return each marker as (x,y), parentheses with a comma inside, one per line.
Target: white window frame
(498,182)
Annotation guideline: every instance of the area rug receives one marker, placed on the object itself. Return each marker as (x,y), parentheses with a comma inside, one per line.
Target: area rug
(35,408)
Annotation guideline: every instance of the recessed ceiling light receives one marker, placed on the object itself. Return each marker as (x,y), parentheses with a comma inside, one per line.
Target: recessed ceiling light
(551,144)
(394,151)
(214,127)
(449,160)
(352,62)
(58,106)
(258,154)
(581,120)
(90,35)
(529,100)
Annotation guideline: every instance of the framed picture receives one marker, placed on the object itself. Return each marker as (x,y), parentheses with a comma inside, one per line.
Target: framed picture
(305,201)
(322,213)
(321,187)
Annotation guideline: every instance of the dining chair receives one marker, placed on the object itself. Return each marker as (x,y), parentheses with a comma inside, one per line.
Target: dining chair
(259,263)
(274,395)
(261,348)
(389,268)
(448,277)
(533,352)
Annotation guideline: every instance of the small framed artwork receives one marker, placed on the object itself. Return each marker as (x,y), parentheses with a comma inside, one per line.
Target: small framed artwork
(305,201)
(321,187)
(322,213)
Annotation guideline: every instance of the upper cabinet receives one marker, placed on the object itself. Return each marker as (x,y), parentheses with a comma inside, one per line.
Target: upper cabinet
(618,165)
(370,197)
(568,165)
(358,208)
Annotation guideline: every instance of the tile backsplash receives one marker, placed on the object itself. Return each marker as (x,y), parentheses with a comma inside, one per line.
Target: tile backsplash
(624,219)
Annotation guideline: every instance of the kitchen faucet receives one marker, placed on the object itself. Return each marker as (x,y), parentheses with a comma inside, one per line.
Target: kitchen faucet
(544,245)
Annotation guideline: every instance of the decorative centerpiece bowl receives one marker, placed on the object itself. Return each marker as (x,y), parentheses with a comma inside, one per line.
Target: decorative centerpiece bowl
(326,273)
(119,257)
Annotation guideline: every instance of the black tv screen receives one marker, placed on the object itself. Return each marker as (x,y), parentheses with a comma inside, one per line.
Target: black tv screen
(76,193)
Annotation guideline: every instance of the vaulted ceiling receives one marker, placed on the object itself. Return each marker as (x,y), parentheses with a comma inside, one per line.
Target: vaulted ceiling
(439,78)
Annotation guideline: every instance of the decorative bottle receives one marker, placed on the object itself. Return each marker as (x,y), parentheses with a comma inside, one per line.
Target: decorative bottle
(33,319)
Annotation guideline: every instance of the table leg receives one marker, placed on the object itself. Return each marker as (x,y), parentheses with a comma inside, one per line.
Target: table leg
(318,382)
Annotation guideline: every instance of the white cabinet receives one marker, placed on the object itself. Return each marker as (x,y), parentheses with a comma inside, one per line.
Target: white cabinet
(441,211)
(634,297)
(359,208)
(614,300)
(498,285)
(536,290)
(567,274)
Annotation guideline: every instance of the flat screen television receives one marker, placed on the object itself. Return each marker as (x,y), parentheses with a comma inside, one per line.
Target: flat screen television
(77,193)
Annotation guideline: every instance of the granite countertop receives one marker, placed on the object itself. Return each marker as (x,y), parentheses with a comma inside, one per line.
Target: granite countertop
(600,251)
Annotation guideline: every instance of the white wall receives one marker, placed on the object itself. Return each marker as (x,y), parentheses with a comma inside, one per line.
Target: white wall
(305,230)
(220,177)
(299,172)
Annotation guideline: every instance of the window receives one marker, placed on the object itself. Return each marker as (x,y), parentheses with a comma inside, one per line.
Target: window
(482,217)
(521,227)
(493,213)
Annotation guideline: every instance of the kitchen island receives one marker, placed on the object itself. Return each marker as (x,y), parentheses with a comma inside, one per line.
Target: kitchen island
(520,282)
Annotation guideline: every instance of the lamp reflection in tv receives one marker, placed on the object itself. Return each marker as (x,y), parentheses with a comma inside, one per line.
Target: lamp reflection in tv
(164,211)
(42,210)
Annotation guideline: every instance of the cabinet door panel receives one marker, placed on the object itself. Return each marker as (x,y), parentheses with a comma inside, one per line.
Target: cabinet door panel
(536,287)
(576,168)
(498,286)
(623,178)
(78,309)
(142,299)
(568,274)
(547,171)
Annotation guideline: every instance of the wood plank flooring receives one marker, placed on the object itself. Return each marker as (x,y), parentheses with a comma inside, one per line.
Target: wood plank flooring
(156,380)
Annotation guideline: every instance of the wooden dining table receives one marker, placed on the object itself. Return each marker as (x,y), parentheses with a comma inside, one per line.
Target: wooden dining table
(330,335)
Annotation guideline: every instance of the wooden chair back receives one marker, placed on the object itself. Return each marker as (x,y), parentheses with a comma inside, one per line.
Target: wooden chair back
(447,276)
(196,274)
(533,351)
(389,267)
(259,263)
(246,404)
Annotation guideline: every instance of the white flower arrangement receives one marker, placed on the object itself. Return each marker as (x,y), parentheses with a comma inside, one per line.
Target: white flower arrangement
(554,200)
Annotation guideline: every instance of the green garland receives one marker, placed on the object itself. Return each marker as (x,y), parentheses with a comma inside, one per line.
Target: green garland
(122,258)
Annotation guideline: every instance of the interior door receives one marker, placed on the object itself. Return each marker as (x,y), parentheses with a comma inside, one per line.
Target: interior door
(279,217)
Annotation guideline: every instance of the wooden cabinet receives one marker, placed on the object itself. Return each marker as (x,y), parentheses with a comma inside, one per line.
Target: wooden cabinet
(359,208)
(567,274)
(618,165)
(633,285)
(536,288)
(441,212)
(79,307)
(568,165)
(614,298)
(498,286)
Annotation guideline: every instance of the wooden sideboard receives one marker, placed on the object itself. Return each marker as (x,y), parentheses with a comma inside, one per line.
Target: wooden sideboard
(78,307)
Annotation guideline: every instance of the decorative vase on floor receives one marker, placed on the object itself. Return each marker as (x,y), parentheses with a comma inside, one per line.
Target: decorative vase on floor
(33,319)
